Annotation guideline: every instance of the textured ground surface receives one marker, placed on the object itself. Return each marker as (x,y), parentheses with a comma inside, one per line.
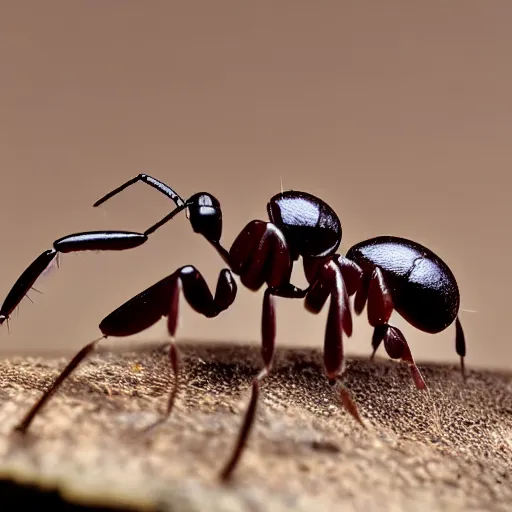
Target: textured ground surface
(305,453)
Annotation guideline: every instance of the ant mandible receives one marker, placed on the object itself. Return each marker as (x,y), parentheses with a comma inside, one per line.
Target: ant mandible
(384,273)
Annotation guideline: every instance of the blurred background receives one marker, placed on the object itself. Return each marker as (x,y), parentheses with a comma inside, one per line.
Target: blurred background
(398,114)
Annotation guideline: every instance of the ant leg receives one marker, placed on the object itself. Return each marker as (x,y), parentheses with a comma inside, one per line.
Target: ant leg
(268,334)
(174,358)
(78,242)
(23,425)
(352,274)
(244,433)
(397,348)
(353,278)
(380,305)
(99,241)
(172,327)
(362,294)
(260,255)
(25,282)
(460,345)
(149,180)
(380,308)
(330,283)
(199,297)
(356,281)
(197,294)
(144,310)
(87,241)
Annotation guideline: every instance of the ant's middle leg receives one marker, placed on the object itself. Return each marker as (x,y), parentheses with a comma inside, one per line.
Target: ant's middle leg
(260,255)
(268,336)
(329,282)
(144,310)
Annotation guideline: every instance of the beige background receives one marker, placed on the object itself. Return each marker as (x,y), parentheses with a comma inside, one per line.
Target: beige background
(396,113)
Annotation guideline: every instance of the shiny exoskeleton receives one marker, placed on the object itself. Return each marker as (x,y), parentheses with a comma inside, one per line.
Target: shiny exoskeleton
(385,273)
(402,275)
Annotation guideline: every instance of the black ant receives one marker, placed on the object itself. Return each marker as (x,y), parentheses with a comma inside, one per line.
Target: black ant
(386,273)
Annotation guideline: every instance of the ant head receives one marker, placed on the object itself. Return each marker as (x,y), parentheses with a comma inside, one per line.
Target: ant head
(205,215)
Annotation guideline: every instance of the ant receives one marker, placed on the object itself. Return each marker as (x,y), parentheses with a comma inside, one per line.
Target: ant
(385,274)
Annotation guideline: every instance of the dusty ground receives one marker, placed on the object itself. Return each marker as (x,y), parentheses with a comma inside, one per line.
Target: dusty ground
(305,453)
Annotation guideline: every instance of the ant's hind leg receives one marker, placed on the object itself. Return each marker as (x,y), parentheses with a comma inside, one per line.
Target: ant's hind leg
(397,348)
(460,345)
(380,308)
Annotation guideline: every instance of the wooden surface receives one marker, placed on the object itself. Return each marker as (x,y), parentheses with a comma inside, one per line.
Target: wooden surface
(305,452)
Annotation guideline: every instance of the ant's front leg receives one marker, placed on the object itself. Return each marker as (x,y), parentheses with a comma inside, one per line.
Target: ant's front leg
(201,218)
(78,242)
(143,311)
